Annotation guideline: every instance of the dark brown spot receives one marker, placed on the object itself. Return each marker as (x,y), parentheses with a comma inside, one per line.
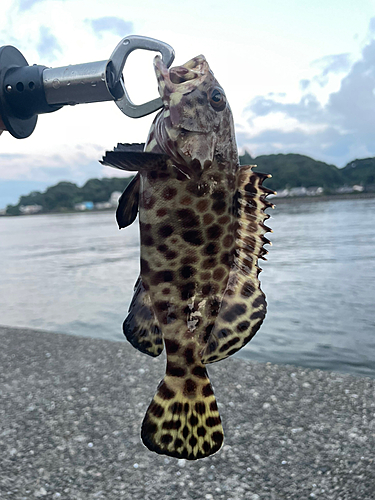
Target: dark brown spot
(185,431)
(166,438)
(213,406)
(208,219)
(222,334)
(193,420)
(207,390)
(205,277)
(170,255)
(171,346)
(156,409)
(244,325)
(189,355)
(165,392)
(210,249)
(200,407)
(194,237)
(211,359)
(218,437)
(190,387)
(193,441)
(250,188)
(187,290)
(186,200)
(172,424)
(199,371)
(186,408)
(202,205)
(229,344)
(227,259)
(258,314)
(149,427)
(161,212)
(147,240)
(212,346)
(214,232)
(161,306)
(212,421)
(228,240)
(229,353)
(224,220)
(234,311)
(209,263)
(219,206)
(206,289)
(187,272)
(166,291)
(188,217)
(218,274)
(178,443)
(259,301)
(162,248)
(162,277)
(176,408)
(201,431)
(165,231)
(206,446)
(145,268)
(189,259)
(169,193)
(175,371)
(248,289)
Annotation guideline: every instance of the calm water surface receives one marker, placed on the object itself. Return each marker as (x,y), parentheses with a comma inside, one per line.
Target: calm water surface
(75,274)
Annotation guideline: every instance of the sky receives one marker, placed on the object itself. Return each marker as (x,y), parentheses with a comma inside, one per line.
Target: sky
(299,76)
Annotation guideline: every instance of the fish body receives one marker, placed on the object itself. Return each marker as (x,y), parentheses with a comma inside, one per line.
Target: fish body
(202,231)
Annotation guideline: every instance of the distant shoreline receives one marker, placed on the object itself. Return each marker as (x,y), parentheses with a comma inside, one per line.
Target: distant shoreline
(275,199)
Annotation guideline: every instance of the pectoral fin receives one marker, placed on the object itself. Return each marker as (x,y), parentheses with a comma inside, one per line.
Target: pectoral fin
(127,209)
(141,327)
(243,306)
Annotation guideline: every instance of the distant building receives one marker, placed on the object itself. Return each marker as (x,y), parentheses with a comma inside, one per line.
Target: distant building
(103,205)
(114,198)
(30,209)
(85,205)
(358,188)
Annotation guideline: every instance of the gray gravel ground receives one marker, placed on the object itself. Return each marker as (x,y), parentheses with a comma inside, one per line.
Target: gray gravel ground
(71,410)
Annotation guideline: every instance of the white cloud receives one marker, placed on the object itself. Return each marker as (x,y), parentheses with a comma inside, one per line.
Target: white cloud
(337,131)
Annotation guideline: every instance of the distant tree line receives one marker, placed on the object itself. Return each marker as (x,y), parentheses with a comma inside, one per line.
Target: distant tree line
(64,195)
(288,171)
(293,170)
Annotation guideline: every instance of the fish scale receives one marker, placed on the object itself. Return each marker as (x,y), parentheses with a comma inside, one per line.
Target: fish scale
(202,231)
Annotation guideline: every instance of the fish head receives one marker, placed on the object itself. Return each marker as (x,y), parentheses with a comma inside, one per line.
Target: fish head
(195,125)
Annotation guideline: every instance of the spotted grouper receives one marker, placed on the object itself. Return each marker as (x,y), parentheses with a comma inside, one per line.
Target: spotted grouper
(202,230)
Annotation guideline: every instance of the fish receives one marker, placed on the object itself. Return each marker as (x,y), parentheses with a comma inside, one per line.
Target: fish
(202,230)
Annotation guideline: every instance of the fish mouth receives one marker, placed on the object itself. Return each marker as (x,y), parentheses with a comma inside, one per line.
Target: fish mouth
(182,79)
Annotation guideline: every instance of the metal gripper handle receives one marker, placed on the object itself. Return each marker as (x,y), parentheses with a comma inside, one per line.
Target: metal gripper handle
(27,91)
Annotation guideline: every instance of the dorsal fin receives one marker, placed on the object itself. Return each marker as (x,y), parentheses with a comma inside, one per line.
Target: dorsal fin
(243,305)
(141,326)
(134,160)
(127,209)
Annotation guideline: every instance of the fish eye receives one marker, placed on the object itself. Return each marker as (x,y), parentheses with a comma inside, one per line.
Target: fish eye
(217,99)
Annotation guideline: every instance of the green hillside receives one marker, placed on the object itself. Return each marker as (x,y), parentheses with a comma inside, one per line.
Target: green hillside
(64,195)
(293,170)
(360,172)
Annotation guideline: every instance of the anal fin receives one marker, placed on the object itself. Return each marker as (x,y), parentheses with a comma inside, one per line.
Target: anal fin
(141,326)
(243,306)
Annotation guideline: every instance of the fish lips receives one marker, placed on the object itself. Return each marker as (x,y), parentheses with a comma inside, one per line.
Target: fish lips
(180,80)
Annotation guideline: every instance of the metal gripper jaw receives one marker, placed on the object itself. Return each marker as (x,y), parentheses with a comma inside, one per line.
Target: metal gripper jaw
(27,91)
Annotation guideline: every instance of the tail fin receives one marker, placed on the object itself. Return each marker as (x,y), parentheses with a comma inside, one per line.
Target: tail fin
(183,423)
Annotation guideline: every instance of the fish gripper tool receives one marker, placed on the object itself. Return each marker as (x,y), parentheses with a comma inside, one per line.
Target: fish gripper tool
(27,91)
